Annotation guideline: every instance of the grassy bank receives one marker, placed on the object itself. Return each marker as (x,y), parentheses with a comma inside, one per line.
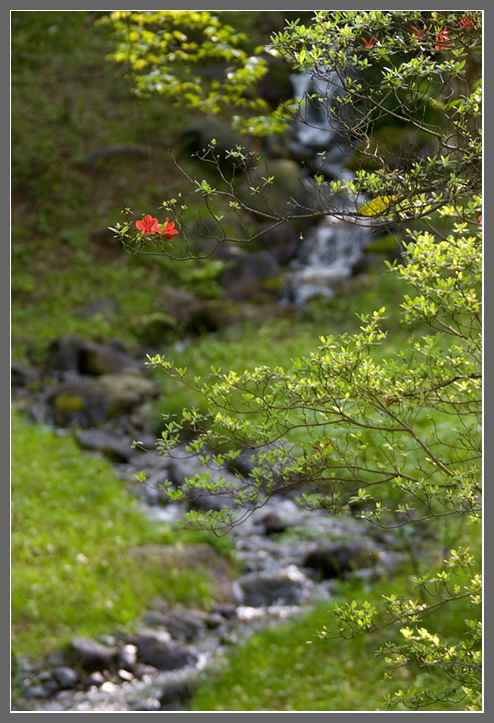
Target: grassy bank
(73,532)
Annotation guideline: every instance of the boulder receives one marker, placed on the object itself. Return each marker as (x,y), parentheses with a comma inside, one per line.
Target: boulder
(80,402)
(123,392)
(91,655)
(116,448)
(284,587)
(339,560)
(65,677)
(178,691)
(22,376)
(248,274)
(157,648)
(72,353)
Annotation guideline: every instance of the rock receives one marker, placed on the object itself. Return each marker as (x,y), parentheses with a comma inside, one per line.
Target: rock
(183,625)
(338,560)
(80,402)
(284,587)
(245,279)
(64,353)
(119,151)
(72,353)
(96,678)
(37,691)
(156,329)
(65,677)
(178,691)
(123,392)
(127,657)
(282,242)
(156,648)
(22,376)
(97,359)
(92,656)
(114,447)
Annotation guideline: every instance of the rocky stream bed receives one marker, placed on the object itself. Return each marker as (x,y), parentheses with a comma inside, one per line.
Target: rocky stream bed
(288,557)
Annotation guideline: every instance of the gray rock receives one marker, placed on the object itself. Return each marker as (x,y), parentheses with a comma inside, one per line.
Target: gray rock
(127,657)
(183,625)
(92,656)
(284,587)
(123,392)
(119,151)
(114,447)
(339,560)
(22,376)
(72,353)
(156,648)
(65,677)
(248,273)
(96,678)
(178,691)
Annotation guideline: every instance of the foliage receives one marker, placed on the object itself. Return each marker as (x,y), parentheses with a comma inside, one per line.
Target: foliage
(398,438)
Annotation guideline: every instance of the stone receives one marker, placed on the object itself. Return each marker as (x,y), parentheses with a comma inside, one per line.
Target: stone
(96,678)
(338,560)
(178,691)
(284,587)
(80,402)
(127,657)
(113,446)
(91,655)
(156,648)
(119,152)
(183,625)
(22,376)
(64,353)
(248,274)
(65,677)
(123,392)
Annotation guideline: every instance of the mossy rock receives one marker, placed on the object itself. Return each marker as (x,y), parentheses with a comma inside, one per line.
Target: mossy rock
(156,329)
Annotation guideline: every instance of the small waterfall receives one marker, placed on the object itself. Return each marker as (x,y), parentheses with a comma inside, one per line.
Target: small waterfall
(331,248)
(326,258)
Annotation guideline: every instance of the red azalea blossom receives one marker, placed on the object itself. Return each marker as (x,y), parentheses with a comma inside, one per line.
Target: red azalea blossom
(368,43)
(148,225)
(479,221)
(466,23)
(419,33)
(168,230)
(442,40)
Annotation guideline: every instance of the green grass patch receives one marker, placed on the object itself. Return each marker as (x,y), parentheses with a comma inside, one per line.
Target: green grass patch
(73,532)
(286,667)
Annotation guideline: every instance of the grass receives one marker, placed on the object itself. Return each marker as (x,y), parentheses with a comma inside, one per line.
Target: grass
(73,531)
(287,667)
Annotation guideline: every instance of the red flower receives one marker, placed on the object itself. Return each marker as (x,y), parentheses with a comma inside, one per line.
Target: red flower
(442,40)
(368,43)
(466,22)
(168,230)
(148,225)
(419,33)
(390,400)
(479,221)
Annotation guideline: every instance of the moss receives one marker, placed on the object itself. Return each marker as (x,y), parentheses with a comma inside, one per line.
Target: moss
(69,403)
